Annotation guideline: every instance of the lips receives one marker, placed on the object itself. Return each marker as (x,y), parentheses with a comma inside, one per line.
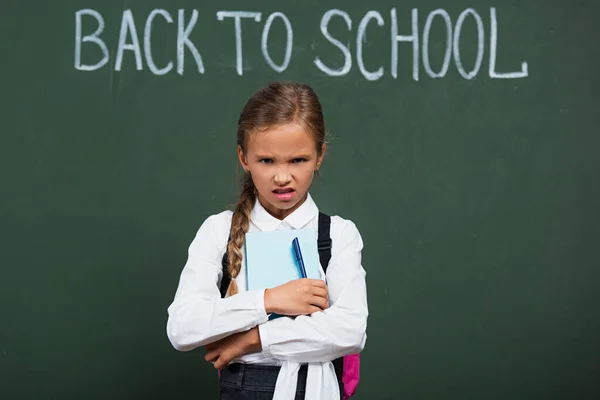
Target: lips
(284,193)
(283,190)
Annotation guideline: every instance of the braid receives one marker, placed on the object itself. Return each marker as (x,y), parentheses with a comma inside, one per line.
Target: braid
(240,223)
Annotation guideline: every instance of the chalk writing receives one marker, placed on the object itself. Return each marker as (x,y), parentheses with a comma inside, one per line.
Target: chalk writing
(343,48)
(419,37)
(147,42)
(480,44)
(238,15)
(448,54)
(288,46)
(360,39)
(93,38)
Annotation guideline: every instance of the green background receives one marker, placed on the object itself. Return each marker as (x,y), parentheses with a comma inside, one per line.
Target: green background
(477,199)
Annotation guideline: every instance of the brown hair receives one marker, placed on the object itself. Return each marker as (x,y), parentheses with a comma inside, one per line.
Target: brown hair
(279,103)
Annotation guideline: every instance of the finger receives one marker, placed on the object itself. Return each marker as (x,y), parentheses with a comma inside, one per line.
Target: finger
(222,362)
(216,364)
(321,292)
(319,302)
(211,356)
(318,283)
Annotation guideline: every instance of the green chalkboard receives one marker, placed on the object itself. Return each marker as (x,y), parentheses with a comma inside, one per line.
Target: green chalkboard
(465,148)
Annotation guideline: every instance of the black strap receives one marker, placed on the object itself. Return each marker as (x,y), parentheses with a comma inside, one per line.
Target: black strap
(324,240)
(323,244)
(226,279)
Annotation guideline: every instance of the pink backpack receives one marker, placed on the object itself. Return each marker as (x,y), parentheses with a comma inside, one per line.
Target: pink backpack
(347,368)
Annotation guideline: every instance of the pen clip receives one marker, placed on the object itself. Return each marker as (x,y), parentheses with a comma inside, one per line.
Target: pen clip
(296,247)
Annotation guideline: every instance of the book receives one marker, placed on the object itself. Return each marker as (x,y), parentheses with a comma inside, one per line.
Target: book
(270,259)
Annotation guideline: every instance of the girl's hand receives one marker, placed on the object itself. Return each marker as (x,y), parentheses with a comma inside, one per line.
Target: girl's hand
(222,352)
(297,297)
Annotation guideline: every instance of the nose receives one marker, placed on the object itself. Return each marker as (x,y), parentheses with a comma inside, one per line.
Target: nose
(282,177)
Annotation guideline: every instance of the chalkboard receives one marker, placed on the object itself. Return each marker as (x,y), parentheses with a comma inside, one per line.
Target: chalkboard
(465,148)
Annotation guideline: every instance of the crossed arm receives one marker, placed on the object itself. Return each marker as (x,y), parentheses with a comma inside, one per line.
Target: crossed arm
(238,325)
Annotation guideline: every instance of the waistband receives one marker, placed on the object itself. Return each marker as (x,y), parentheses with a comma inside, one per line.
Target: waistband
(257,377)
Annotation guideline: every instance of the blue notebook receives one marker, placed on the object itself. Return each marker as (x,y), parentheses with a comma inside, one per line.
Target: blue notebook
(270,259)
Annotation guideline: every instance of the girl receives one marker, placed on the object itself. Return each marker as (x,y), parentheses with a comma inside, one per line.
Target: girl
(281,145)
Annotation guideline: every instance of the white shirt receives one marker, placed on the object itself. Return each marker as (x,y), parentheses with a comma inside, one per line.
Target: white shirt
(198,316)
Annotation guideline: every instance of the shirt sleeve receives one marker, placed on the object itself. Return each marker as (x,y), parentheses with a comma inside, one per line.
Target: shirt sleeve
(340,329)
(198,315)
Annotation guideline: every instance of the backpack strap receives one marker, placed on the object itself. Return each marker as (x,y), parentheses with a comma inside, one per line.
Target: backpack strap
(226,279)
(324,240)
(324,245)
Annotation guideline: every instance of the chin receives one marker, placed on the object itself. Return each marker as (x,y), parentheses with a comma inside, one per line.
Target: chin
(284,205)
(287,204)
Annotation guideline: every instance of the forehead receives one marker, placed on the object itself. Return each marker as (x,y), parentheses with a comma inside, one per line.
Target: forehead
(281,140)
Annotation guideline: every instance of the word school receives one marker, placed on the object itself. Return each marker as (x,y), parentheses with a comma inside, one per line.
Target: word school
(415,39)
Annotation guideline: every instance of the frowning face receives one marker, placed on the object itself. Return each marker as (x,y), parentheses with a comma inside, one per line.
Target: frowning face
(282,161)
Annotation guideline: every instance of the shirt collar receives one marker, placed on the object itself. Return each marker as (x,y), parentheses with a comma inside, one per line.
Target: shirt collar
(297,219)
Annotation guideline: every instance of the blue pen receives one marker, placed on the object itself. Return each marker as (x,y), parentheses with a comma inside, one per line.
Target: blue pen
(298,254)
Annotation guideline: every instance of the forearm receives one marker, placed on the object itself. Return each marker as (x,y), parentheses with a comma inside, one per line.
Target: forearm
(322,336)
(196,322)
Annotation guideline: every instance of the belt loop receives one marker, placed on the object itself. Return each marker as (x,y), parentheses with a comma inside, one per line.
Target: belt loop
(240,376)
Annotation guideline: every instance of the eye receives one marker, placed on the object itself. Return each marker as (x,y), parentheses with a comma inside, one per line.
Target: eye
(299,160)
(266,161)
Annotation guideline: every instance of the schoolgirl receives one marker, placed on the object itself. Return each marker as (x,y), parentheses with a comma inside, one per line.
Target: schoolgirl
(281,146)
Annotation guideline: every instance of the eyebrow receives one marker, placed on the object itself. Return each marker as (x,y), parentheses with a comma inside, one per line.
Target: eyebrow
(261,156)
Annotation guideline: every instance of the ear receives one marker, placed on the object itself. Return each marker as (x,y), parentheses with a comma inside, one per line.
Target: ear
(242,158)
(320,159)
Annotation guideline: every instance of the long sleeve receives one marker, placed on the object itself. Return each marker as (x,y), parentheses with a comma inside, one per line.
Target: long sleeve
(198,316)
(336,331)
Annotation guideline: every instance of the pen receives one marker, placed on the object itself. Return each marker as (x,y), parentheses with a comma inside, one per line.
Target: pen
(298,253)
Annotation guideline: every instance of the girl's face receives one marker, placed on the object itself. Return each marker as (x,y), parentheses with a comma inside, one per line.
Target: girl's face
(282,160)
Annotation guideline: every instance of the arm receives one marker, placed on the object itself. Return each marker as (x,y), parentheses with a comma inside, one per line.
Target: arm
(336,331)
(198,315)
